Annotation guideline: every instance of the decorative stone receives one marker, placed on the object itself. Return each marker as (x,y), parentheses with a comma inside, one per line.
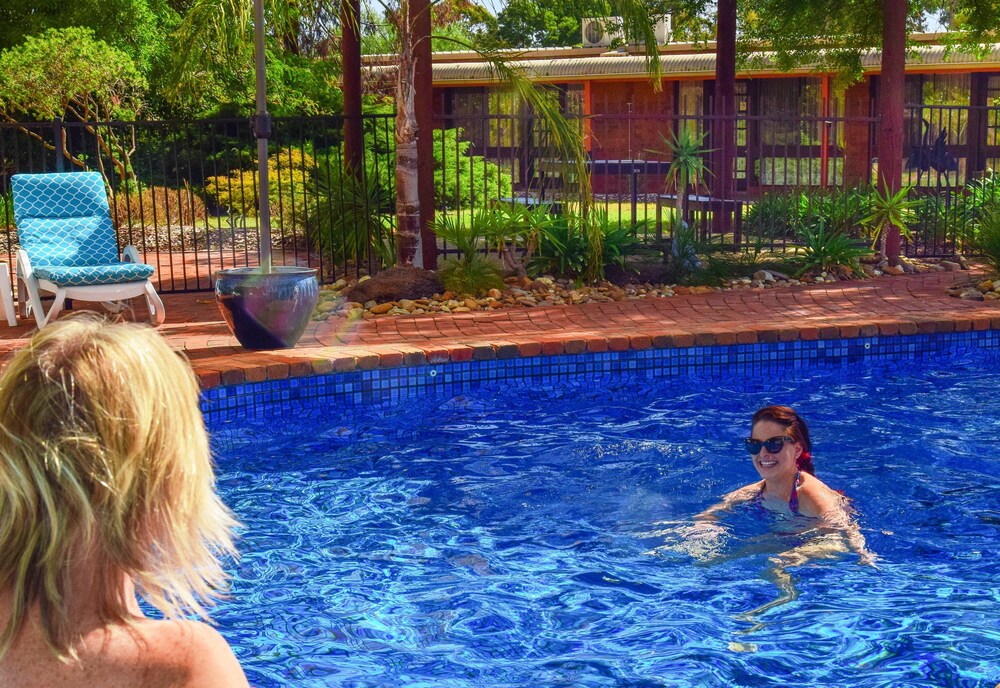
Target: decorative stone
(382,308)
(971,295)
(950,266)
(494,293)
(894,270)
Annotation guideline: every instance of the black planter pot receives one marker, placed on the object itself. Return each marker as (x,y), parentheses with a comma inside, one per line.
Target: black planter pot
(267,311)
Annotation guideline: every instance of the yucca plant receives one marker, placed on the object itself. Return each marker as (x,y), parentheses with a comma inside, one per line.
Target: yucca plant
(891,210)
(687,164)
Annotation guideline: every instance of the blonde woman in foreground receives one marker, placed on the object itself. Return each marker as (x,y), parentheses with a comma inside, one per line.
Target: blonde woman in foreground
(107,491)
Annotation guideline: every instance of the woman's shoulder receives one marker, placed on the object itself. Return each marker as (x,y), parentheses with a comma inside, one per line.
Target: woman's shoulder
(818,497)
(193,649)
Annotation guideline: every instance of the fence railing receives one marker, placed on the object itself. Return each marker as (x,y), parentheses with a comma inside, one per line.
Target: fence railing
(184,192)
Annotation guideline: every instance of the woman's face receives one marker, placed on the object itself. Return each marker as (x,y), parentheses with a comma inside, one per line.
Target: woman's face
(775,465)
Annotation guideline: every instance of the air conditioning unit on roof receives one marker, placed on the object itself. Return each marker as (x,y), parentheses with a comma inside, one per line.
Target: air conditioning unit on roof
(601,32)
(662,30)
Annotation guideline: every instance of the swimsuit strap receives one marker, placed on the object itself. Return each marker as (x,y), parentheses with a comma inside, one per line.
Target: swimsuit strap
(793,499)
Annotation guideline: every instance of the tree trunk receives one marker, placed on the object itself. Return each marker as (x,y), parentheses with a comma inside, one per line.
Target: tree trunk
(725,112)
(891,94)
(350,53)
(423,87)
(407,174)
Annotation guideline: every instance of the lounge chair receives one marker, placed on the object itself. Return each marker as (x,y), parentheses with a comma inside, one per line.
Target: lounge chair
(69,249)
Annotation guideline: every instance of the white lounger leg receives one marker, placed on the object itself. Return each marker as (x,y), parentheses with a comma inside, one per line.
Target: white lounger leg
(7,295)
(156,313)
(57,305)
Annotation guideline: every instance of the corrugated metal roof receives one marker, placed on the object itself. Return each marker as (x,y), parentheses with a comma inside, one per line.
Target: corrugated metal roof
(625,65)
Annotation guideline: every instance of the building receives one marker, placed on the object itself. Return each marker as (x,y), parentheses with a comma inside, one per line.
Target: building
(797,127)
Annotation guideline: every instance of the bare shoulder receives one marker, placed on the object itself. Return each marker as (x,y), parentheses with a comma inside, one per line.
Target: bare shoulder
(200,650)
(817,499)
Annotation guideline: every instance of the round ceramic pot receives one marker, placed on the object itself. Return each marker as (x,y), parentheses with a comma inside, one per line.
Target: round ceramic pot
(267,310)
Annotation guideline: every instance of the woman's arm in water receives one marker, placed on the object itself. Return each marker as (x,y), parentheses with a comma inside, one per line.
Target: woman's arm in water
(731,500)
(844,520)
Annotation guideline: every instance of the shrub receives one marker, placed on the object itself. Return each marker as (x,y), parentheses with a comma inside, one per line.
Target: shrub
(824,249)
(986,239)
(473,275)
(291,178)
(841,211)
(564,246)
(461,179)
(773,216)
(157,206)
(781,215)
(351,215)
(471,272)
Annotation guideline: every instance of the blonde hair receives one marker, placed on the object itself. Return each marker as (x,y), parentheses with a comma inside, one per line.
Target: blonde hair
(103,447)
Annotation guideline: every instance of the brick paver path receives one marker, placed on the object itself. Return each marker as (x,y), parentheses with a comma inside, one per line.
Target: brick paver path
(887,306)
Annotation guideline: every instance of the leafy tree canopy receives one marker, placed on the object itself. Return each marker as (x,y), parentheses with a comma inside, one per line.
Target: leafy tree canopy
(69,72)
(527,23)
(136,27)
(212,62)
(835,35)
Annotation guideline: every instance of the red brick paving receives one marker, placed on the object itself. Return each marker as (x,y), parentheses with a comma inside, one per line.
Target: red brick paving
(885,306)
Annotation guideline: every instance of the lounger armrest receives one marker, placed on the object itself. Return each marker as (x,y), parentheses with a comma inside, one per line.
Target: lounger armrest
(23,267)
(130,254)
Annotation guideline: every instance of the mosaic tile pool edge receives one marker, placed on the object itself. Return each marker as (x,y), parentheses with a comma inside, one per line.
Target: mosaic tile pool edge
(371,387)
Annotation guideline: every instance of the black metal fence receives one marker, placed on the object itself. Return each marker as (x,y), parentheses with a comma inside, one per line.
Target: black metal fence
(184,192)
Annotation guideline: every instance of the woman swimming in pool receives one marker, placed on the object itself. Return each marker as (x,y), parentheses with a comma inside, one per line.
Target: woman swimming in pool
(782,454)
(781,450)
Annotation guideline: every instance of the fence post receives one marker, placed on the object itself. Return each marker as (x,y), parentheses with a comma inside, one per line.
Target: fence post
(57,128)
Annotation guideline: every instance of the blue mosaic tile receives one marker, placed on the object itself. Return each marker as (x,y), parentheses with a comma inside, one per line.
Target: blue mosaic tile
(372,387)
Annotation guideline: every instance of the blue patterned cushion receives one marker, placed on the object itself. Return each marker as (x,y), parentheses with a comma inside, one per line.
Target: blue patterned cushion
(84,276)
(63,219)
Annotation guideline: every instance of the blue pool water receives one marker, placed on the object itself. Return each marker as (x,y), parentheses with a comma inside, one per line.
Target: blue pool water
(528,534)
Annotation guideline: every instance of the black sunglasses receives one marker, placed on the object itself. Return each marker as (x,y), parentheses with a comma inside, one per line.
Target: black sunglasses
(773,444)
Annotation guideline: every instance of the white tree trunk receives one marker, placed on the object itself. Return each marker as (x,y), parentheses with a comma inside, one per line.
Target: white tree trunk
(408,250)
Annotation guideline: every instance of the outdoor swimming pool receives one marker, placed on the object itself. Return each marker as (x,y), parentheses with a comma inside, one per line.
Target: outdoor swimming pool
(504,535)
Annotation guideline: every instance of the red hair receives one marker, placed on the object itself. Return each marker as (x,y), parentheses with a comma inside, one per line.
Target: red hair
(797,430)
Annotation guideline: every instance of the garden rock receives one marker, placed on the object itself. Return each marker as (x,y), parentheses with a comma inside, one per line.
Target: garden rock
(950,266)
(395,284)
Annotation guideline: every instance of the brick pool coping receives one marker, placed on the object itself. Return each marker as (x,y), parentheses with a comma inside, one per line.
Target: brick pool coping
(911,304)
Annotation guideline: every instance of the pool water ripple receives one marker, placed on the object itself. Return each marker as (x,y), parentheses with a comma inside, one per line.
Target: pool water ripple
(533,534)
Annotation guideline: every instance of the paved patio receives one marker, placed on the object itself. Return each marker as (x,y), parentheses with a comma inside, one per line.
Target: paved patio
(883,306)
